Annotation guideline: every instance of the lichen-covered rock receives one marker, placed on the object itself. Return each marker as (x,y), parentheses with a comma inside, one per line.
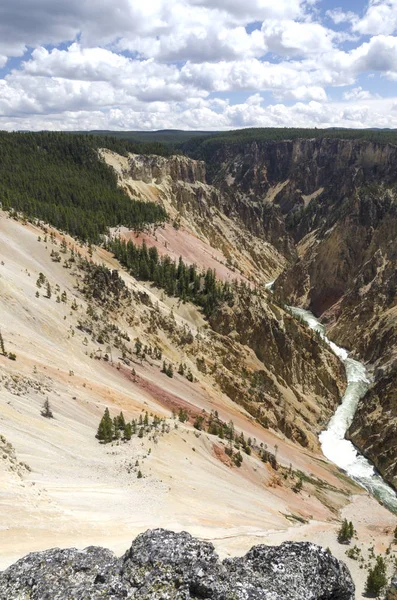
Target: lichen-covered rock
(68,574)
(162,565)
(290,571)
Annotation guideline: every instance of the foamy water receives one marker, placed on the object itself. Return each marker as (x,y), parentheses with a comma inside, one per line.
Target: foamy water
(333,443)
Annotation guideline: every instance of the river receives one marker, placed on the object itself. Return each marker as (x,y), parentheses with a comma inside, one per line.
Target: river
(333,443)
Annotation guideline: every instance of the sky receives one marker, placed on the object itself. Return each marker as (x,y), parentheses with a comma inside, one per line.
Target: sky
(197,64)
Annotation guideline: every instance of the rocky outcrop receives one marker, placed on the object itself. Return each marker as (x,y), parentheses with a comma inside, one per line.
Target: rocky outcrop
(157,168)
(175,566)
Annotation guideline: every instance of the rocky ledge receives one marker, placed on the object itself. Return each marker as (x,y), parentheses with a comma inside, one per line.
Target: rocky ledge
(162,565)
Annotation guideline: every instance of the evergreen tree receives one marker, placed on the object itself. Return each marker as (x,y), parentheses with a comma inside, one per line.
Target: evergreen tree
(2,349)
(345,532)
(46,410)
(127,431)
(116,429)
(376,579)
(48,290)
(105,430)
(121,421)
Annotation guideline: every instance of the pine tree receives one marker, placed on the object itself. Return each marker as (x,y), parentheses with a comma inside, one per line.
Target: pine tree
(2,349)
(46,410)
(127,431)
(116,430)
(105,430)
(345,532)
(376,579)
(48,290)
(121,421)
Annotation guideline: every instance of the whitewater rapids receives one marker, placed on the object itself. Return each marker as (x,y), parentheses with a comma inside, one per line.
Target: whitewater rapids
(333,443)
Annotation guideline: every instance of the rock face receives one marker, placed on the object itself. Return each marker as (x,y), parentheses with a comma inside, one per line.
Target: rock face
(293,357)
(162,565)
(180,185)
(346,272)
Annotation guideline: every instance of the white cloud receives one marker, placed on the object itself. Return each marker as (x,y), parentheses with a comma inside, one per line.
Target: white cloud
(338,16)
(294,38)
(155,64)
(379,18)
(357,94)
(205,115)
(257,10)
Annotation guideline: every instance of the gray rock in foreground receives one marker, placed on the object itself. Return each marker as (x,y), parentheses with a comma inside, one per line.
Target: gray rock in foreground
(162,565)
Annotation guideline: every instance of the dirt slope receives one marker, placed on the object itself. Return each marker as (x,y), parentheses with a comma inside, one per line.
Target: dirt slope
(61,487)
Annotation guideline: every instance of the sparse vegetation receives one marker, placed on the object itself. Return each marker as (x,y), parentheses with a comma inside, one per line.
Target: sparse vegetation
(346,532)
(376,579)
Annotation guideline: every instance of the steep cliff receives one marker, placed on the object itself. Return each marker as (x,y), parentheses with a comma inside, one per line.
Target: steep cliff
(179,184)
(161,564)
(347,243)
(300,383)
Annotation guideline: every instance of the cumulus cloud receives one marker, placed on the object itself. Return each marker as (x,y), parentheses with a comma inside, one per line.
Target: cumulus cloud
(379,18)
(357,93)
(187,63)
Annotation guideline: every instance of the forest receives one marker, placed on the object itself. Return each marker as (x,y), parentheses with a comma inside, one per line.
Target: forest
(204,147)
(176,279)
(60,179)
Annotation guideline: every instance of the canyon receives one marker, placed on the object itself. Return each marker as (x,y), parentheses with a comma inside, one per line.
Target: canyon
(318,216)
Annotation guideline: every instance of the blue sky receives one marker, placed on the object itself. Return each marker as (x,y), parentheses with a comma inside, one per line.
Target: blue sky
(197,64)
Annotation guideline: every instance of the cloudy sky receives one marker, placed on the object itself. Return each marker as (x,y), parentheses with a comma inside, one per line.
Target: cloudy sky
(197,64)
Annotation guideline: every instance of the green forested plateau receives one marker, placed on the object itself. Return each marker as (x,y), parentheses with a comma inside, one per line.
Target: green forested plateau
(205,146)
(60,179)
(177,279)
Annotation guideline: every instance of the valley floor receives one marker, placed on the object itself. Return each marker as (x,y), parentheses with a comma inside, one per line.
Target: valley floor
(60,487)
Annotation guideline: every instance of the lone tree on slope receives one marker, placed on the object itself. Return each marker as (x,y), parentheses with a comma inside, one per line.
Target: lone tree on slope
(46,410)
